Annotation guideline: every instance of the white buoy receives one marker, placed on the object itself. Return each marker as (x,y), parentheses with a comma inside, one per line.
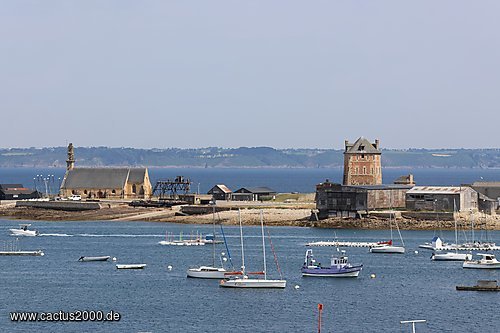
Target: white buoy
(169,267)
(416,252)
(114,259)
(297,287)
(373,276)
(224,259)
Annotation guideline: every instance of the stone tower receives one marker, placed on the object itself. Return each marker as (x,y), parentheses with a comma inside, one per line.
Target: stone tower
(70,162)
(362,163)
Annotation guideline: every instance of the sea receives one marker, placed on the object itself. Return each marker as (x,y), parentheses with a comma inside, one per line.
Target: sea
(160,298)
(281,180)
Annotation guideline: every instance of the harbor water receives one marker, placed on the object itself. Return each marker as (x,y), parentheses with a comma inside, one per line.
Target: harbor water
(157,299)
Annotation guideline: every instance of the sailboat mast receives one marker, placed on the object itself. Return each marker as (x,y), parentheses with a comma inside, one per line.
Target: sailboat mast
(263,243)
(241,240)
(455,220)
(213,239)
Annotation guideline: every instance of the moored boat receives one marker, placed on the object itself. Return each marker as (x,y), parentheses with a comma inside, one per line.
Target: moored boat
(101,258)
(339,267)
(451,256)
(487,261)
(131,266)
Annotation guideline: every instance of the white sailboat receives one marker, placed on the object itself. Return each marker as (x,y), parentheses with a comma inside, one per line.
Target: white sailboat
(389,247)
(452,256)
(245,281)
(211,272)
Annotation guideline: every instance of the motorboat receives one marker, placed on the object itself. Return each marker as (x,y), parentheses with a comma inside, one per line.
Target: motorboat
(131,266)
(244,281)
(451,256)
(487,261)
(87,259)
(24,231)
(339,267)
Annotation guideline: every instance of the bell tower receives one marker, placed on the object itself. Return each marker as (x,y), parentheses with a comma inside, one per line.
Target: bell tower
(70,162)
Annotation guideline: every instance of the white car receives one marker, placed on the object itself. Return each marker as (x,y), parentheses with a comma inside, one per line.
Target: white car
(75,197)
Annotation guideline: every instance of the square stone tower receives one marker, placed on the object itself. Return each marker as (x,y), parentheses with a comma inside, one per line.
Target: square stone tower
(362,163)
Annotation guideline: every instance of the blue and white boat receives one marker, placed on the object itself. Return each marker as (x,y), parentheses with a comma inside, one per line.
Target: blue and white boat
(339,267)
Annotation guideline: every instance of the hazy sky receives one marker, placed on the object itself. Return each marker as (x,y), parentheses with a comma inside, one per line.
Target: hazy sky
(249,73)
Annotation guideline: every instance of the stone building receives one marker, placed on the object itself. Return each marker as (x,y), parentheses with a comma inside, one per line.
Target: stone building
(362,163)
(100,183)
(337,200)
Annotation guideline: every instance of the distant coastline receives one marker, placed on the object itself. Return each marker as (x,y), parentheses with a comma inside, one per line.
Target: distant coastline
(244,157)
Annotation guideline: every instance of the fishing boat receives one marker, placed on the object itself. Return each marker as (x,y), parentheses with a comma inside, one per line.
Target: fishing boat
(244,281)
(212,272)
(24,231)
(388,247)
(131,266)
(339,267)
(487,261)
(87,259)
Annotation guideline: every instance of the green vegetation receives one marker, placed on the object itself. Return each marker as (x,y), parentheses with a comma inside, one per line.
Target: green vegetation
(253,157)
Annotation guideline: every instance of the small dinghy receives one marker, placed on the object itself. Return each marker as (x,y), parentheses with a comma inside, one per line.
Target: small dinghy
(131,266)
(101,258)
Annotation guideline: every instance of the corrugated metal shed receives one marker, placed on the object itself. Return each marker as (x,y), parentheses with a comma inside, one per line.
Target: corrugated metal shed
(436,190)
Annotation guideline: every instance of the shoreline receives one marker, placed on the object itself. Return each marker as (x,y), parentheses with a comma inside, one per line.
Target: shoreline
(297,217)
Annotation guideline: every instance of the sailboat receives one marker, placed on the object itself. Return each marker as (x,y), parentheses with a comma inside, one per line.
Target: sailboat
(244,281)
(452,256)
(212,272)
(388,247)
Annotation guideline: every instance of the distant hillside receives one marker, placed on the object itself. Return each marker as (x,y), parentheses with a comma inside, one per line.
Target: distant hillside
(255,157)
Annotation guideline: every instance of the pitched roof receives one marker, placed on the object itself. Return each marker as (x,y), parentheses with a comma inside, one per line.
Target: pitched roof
(10,186)
(256,190)
(97,178)
(361,145)
(437,189)
(222,187)
(137,175)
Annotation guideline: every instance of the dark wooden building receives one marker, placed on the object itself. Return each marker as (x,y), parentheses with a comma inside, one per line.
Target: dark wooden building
(442,198)
(220,192)
(17,192)
(253,194)
(337,200)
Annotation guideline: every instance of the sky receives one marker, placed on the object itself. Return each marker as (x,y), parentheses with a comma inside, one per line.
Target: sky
(283,74)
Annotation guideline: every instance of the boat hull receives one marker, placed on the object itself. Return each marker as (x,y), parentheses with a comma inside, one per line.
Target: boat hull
(19,232)
(387,249)
(476,265)
(252,283)
(210,273)
(131,266)
(450,256)
(88,259)
(332,272)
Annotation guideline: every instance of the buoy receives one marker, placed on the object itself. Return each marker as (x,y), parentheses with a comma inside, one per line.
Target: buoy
(224,259)
(169,267)
(372,276)
(114,259)
(297,287)
(416,252)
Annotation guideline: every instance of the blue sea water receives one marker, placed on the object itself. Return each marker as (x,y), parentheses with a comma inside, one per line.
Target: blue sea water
(408,286)
(281,180)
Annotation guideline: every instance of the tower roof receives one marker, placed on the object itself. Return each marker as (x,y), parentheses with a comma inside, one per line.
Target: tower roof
(362,146)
